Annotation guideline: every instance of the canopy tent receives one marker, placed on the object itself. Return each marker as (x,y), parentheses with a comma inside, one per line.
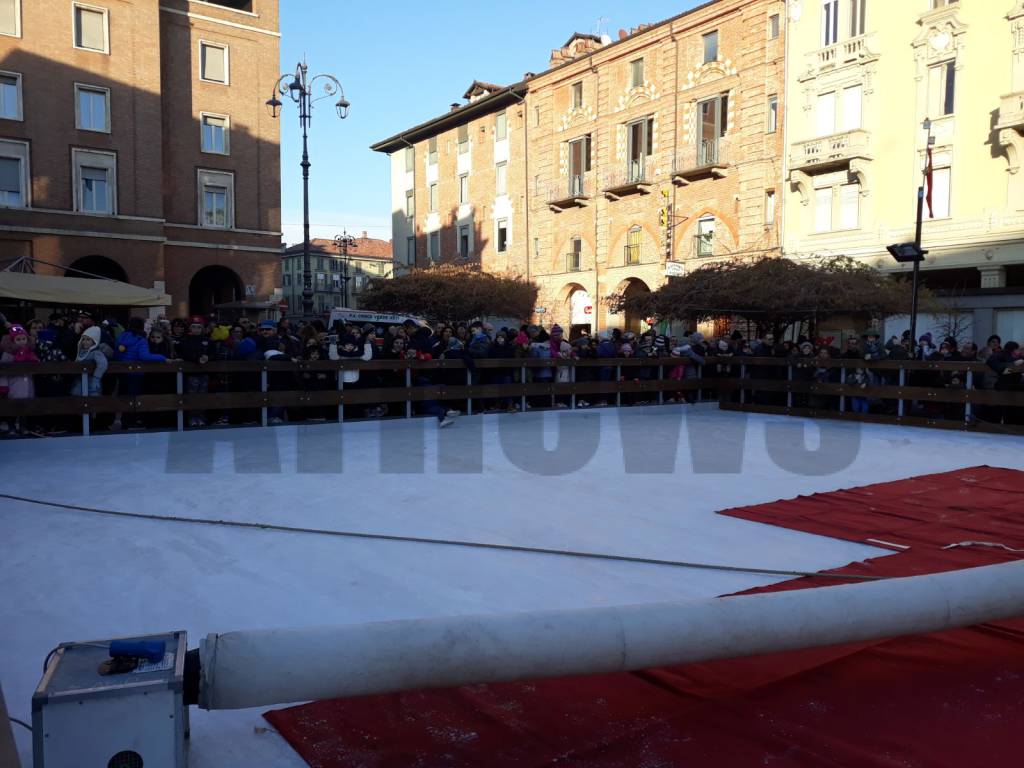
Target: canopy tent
(49,289)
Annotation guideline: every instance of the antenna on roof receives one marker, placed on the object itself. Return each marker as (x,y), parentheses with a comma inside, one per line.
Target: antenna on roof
(599,25)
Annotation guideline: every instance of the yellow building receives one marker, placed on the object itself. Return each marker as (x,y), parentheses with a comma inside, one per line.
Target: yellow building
(862,77)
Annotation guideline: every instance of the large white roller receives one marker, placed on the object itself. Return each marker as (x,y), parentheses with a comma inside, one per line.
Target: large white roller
(256,668)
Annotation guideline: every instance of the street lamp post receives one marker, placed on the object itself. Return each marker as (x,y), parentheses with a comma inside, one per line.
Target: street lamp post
(912,252)
(345,242)
(300,90)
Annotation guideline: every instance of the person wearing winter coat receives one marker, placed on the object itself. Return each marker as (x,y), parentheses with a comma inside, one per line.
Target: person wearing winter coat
(501,349)
(17,348)
(195,348)
(89,352)
(133,346)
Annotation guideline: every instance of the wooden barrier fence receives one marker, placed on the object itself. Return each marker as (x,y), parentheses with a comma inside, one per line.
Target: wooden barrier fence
(900,389)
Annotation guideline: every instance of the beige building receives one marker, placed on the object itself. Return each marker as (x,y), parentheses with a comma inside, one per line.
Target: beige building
(625,162)
(338,279)
(863,75)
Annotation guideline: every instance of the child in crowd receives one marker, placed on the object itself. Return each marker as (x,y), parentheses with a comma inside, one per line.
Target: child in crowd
(17,349)
(89,352)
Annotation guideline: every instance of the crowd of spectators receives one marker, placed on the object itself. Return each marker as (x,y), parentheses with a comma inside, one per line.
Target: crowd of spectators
(199,340)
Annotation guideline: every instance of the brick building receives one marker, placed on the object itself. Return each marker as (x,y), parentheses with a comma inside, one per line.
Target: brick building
(338,280)
(135,144)
(624,162)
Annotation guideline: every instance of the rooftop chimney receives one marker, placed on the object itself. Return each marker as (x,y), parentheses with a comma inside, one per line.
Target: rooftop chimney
(364,234)
(455,105)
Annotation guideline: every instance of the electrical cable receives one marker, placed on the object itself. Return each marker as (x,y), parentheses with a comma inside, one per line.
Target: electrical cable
(443,542)
(22,723)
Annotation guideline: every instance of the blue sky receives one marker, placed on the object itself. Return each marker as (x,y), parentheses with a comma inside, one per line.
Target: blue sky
(400,64)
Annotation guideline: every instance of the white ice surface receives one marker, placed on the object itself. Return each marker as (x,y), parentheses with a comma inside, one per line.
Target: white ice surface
(70,575)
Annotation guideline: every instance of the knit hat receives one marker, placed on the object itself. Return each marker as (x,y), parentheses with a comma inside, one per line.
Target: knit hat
(268,324)
(626,349)
(604,335)
(696,337)
(628,336)
(723,345)
(872,332)
(16,331)
(220,333)
(556,330)
(196,320)
(807,345)
(661,340)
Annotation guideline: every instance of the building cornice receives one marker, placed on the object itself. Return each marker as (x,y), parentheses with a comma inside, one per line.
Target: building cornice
(78,233)
(509,95)
(213,20)
(222,246)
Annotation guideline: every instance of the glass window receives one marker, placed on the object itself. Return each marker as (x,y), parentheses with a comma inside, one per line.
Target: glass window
(10,96)
(769,207)
(93,108)
(215,206)
(410,250)
(10,17)
(12,193)
(435,246)
(577,95)
(90,28)
(410,204)
(536,117)
(634,245)
(942,3)
(432,151)
(464,242)
(942,89)
(773,114)
(410,158)
(464,188)
(857,11)
(215,134)
(640,135)
(574,257)
(501,179)
(502,235)
(501,126)
(213,62)
(432,197)
(95,178)
(829,22)
(95,192)
(773,26)
(711,46)
(216,200)
(823,210)
(463,139)
(706,236)
(636,73)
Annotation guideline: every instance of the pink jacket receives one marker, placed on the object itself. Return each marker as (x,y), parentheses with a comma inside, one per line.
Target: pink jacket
(19,387)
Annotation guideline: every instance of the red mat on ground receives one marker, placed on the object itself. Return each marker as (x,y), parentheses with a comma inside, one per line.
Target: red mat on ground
(946,699)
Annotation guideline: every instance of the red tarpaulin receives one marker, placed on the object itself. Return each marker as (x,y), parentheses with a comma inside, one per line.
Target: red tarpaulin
(947,699)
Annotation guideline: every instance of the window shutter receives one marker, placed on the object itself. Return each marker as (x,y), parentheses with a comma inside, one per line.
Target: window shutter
(586,153)
(9,17)
(10,174)
(823,210)
(89,28)
(463,134)
(213,64)
(851,108)
(941,178)
(826,113)
(849,206)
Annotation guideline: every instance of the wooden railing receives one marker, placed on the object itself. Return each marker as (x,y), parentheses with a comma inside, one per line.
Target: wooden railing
(765,385)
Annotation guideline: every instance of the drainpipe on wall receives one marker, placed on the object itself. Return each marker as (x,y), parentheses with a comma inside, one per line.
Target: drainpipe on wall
(596,302)
(784,104)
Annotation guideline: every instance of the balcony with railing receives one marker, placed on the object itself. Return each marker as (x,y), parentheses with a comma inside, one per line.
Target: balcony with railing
(634,179)
(708,160)
(573,192)
(1011,111)
(830,152)
(836,55)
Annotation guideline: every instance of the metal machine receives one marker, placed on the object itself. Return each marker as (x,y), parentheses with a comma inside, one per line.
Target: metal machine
(112,704)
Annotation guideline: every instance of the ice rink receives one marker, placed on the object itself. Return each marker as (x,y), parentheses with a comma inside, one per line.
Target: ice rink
(640,481)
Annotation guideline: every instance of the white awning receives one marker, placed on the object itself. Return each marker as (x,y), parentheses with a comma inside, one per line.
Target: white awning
(49,289)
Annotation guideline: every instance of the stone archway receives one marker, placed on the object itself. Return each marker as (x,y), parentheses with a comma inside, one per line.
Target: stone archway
(98,267)
(576,304)
(630,288)
(213,285)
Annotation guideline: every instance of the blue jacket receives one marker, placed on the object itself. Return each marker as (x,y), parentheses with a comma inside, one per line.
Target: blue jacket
(132,348)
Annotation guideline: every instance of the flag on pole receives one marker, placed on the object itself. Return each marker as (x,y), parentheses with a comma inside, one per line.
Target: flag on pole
(929,182)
